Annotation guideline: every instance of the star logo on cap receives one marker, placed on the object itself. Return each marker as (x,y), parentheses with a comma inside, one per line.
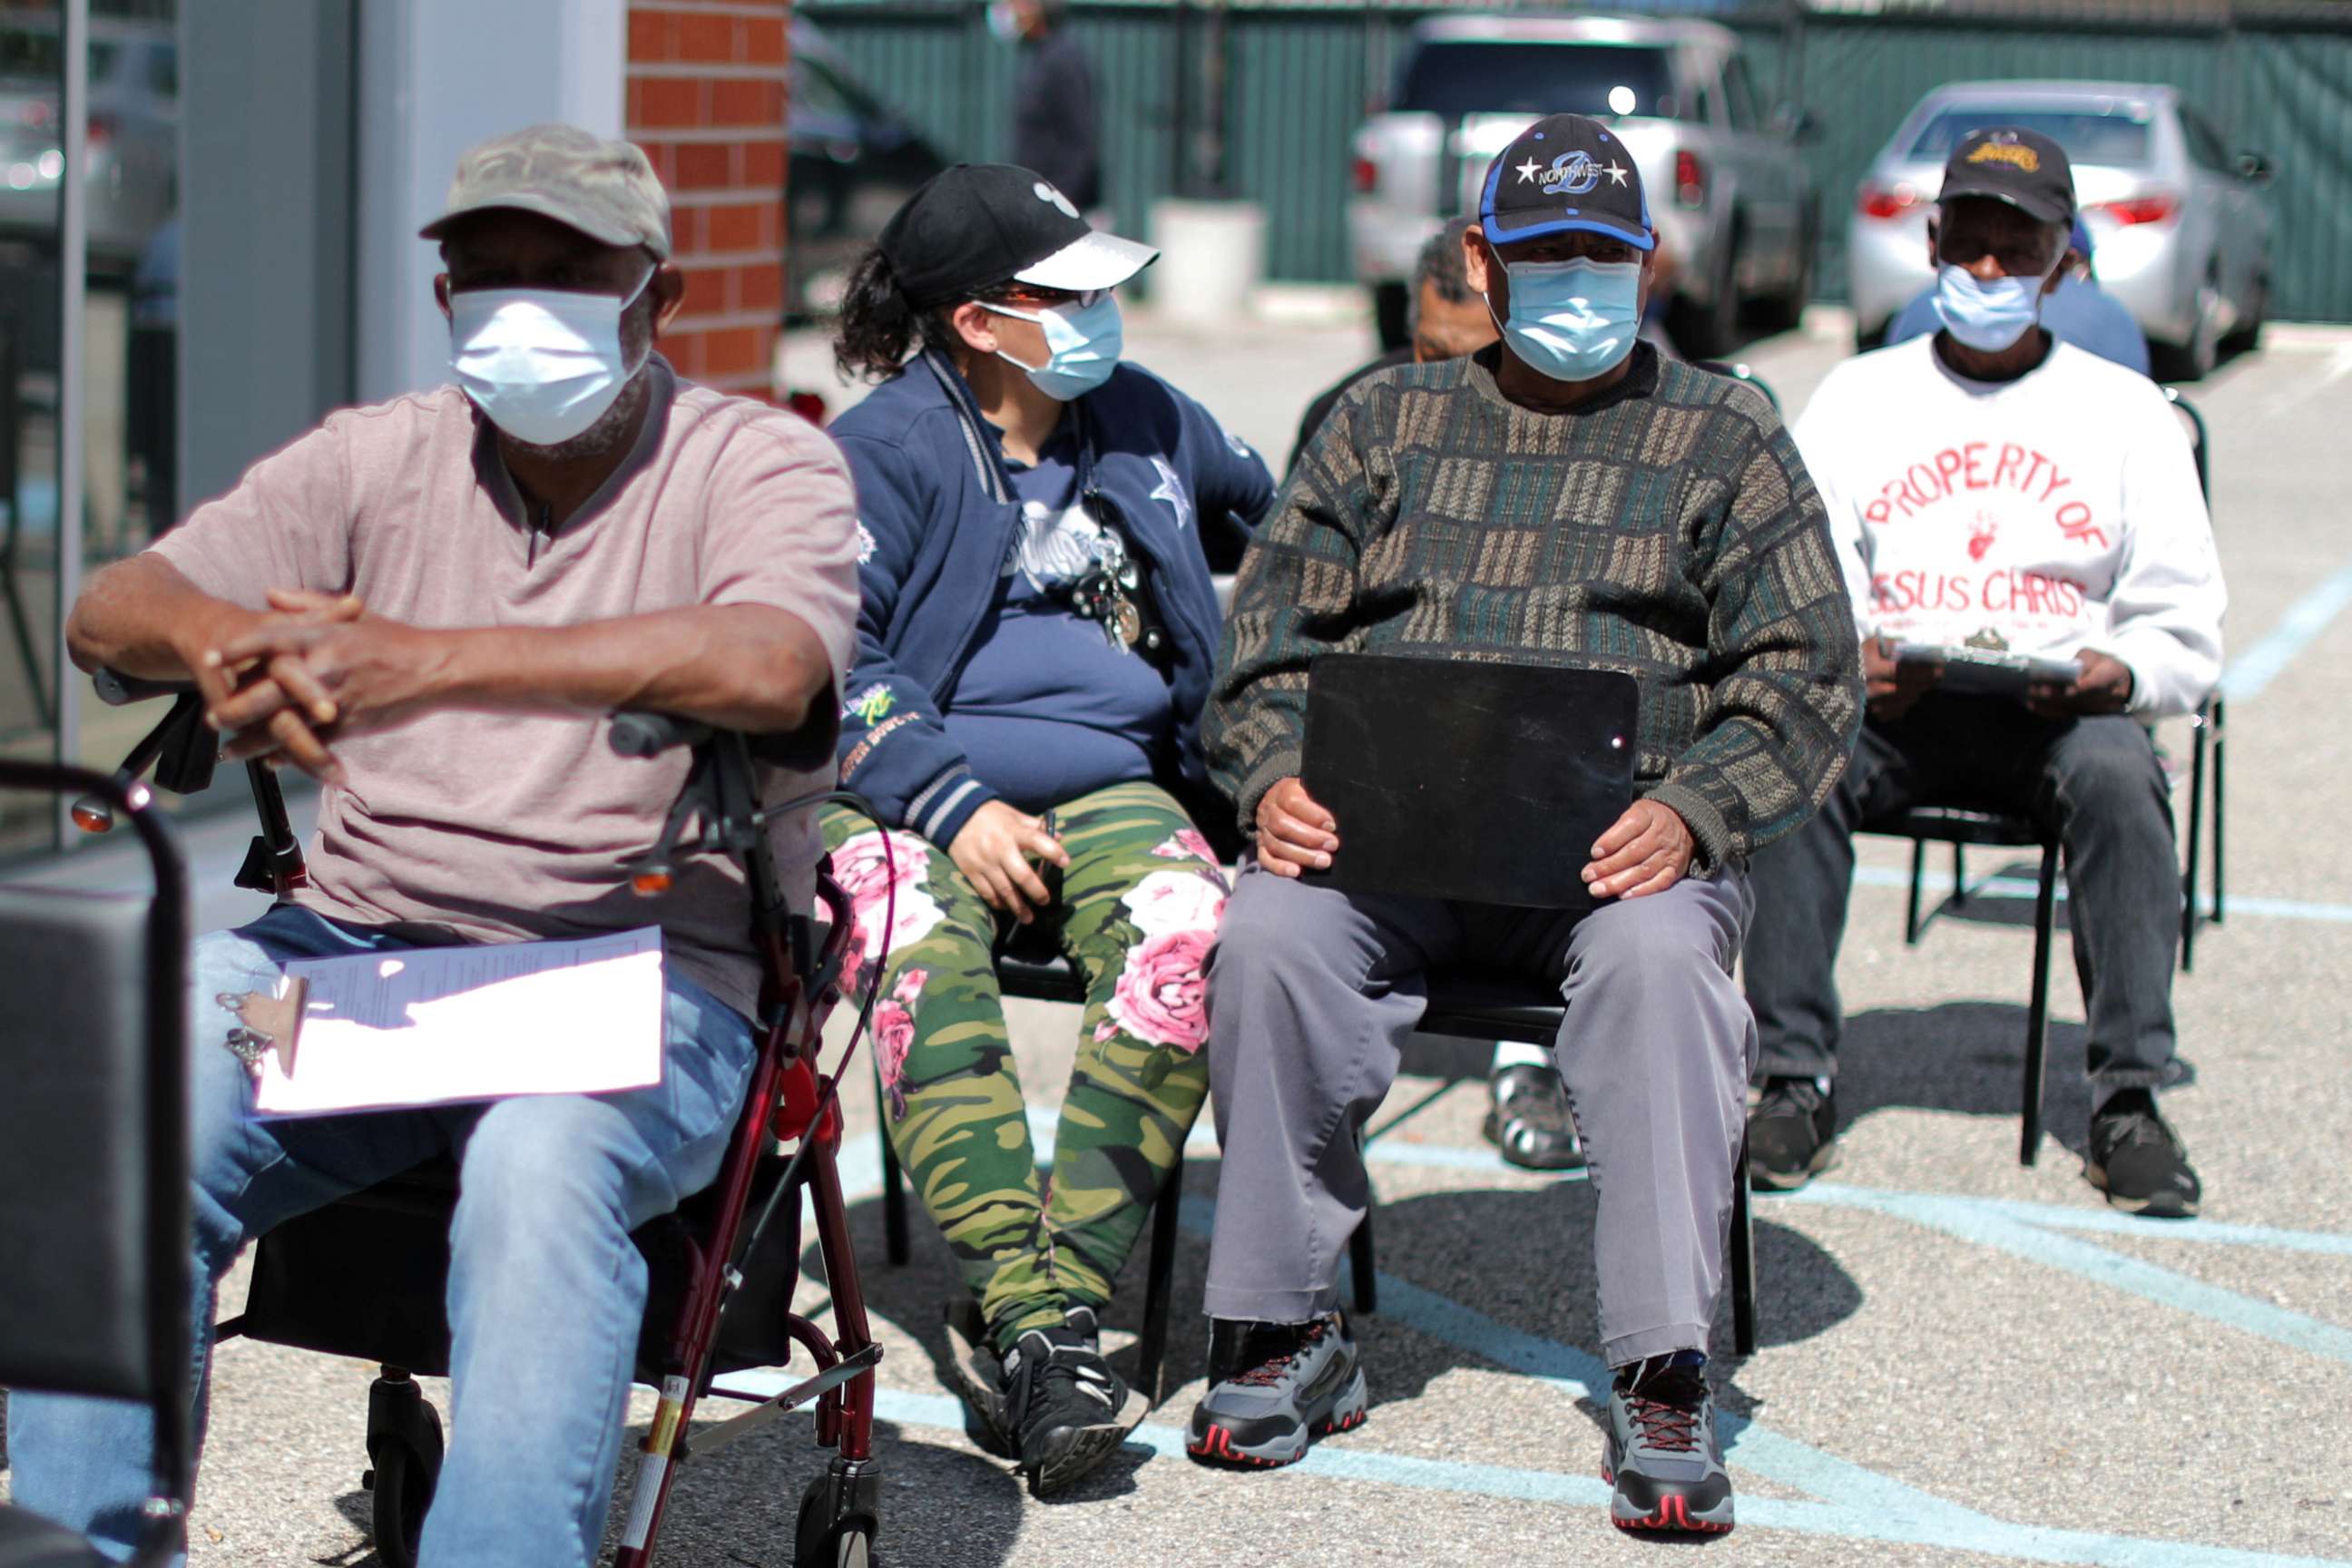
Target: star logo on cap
(1528,171)
(1616,174)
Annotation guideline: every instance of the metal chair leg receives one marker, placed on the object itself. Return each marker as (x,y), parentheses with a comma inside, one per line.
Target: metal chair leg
(1911,922)
(1159,1287)
(894,1186)
(1360,1264)
(2220,739)
(2199,730)
(2037,1020)
(1743,1258)
(1959,873)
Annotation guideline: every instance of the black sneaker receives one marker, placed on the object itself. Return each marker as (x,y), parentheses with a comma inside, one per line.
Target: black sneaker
(1791,1134)
(2139,1161)
(1528,1120)
(1662,1459)
(1274,1388)
(1062,1403)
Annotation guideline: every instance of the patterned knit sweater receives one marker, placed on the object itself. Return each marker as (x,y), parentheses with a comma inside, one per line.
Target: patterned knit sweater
(1668,530)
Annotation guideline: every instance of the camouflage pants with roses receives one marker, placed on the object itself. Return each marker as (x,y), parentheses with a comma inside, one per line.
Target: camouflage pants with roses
(1136,914)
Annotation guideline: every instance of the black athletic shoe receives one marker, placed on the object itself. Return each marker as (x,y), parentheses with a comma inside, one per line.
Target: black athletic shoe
(1791,1134)
(1062,1403)
(2139,1161)
(1528,1120)
(1274,1388)
(1662,1459)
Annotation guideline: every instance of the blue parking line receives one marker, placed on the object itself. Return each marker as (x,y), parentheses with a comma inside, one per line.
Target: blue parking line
(1869,1507)
(2305,620)
(1988,1226)
(2023,888)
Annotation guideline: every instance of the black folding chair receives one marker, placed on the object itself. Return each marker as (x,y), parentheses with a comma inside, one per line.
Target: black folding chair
(94,1264)
(1959,826)
(1488,1007)
(2209,733)
(1041,979)
(1466,1007)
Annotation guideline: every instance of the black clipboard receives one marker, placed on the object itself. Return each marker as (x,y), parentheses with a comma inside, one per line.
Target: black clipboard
(1460,779)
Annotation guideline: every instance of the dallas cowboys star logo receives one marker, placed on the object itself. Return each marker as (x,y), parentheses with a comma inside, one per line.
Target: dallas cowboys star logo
(1616,174)
(1528,171)
(1172,490)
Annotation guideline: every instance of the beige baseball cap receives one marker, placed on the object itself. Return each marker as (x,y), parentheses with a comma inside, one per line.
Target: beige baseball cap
(604,189)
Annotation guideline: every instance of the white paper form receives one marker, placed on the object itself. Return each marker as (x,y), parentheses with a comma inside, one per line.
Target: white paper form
(437,1025)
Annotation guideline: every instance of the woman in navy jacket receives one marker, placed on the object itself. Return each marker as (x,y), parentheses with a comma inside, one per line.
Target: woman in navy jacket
(1037,527)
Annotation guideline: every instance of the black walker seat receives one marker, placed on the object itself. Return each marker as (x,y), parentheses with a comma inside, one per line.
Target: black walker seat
(365,1277)
(94,1158)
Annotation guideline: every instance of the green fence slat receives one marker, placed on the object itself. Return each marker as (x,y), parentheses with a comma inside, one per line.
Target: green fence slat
(1298,76)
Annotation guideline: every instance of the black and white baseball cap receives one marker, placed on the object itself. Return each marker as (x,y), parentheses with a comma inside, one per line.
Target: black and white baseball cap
(975,224)
(1565,174)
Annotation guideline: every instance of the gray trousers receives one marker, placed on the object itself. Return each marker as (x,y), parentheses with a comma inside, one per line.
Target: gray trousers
(1312,994)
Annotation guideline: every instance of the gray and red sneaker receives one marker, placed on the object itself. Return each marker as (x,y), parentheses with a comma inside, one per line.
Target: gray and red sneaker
(1275,1387)
(1662,1457)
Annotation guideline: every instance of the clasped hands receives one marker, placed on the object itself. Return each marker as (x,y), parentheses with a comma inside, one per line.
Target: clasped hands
(283,684)
(1646,851)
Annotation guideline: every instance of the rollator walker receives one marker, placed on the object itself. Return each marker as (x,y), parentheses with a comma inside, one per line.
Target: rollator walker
(365,1277)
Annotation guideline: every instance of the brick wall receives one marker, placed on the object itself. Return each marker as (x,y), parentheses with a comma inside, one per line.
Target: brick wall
(706,101)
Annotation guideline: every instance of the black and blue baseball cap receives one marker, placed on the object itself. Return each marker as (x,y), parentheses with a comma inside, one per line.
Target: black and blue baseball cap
(1565,174)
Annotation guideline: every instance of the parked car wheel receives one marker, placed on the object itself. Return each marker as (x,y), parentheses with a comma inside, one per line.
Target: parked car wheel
(1785,312)
(2248,334)
(2194,359)
(1710,330)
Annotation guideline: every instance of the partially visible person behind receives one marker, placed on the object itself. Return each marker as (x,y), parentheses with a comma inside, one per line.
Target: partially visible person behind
(1056,124)
(1034,654)
(432,605)
(1445,318)
(2076,311)
(1563,497)
(1995,486)
(1526,1110)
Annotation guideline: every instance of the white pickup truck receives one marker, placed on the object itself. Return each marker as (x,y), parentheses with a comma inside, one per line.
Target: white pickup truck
(1728,190)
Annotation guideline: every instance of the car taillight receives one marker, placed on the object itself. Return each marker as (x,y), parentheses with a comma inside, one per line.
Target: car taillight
(1365,177)
(1690,180)
(2156,208)
(102,130)
(1884,201)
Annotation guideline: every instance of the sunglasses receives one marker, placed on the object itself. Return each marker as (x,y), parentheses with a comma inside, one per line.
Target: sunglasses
(1030,294)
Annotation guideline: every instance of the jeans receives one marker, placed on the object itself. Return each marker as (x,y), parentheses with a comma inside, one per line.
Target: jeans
(2096,782)
(546,1291)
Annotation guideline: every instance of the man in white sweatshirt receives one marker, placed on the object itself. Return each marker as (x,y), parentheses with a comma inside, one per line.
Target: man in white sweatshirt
(1993,487)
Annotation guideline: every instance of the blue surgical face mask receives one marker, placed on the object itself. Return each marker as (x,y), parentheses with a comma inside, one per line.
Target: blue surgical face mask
(1082,345)
(1573,320)
(1986,316)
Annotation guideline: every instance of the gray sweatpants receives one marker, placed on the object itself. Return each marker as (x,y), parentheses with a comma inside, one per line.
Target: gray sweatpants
(1312,993)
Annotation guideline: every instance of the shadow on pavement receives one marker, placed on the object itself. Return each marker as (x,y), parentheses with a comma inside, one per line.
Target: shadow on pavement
(1968,1057)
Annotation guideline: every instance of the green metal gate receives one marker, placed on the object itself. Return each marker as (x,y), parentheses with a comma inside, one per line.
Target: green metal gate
(1287,84)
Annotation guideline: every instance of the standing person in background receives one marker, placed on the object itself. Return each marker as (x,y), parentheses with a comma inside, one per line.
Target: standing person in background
(1055,129)
(1037,524)
(1527,1115)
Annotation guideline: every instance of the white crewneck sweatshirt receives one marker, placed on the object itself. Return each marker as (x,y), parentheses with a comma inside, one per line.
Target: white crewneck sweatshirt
(2060,510)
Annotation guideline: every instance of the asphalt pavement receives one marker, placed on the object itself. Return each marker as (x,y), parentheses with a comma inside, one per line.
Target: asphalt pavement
(1963,1360)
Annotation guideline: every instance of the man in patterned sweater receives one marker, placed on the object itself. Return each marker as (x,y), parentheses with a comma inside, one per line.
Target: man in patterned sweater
(1566,498)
